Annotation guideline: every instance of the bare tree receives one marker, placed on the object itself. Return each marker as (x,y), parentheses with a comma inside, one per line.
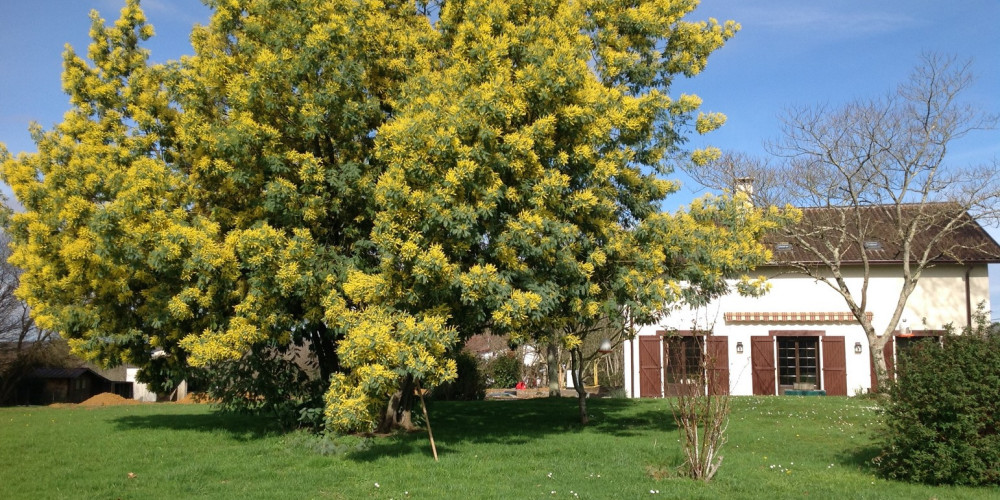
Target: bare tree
(615,329)
(701,402)
(876,171)
(22,346)
(737,172)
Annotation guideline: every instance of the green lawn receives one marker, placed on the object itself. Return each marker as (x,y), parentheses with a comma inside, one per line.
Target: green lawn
(814,447)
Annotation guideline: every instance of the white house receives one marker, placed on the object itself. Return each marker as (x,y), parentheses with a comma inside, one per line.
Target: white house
(801,335)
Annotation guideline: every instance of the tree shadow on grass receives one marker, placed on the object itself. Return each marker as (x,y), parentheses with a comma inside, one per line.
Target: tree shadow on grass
(499,422)
(239,427)
(861,458)
(519,422)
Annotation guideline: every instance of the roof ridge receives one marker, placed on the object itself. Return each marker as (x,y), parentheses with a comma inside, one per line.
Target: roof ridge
(885,205)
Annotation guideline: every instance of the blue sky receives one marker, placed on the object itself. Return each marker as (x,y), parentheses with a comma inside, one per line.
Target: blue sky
(804,52)
(789,53)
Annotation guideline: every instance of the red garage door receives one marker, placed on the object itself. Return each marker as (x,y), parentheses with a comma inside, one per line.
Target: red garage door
(718,365)
(650,374)
(834,366)
(762,363)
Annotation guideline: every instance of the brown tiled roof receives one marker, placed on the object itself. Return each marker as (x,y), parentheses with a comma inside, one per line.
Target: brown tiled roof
(482,343)
(967,242)
(116,374)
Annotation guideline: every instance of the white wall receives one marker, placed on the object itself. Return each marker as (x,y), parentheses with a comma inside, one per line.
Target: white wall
(939,299)
(139,390)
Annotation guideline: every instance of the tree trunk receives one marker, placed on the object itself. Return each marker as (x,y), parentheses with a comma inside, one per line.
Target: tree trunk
(326,352)
(581,392)
(398,415)
(877,348)
(552,369)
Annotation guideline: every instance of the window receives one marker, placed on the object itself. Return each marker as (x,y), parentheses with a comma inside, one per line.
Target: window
(684,361)
(873,245)
(798,366)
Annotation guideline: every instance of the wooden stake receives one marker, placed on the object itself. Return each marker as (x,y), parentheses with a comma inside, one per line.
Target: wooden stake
(427,419)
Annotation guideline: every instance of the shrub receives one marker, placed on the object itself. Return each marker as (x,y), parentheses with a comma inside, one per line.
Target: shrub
(505,370)
(942,416)
(469,383)
(263,382)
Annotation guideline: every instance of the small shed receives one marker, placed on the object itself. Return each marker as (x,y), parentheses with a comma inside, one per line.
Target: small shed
(67,385)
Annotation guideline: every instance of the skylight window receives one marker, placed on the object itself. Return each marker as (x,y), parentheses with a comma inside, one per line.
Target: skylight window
(783,247)
(873,245)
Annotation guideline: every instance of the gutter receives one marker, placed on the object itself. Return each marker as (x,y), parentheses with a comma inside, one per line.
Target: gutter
(968,298)
(631,358)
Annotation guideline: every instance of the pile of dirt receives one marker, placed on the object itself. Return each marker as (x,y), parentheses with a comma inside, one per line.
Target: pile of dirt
(108,399)
(195,398)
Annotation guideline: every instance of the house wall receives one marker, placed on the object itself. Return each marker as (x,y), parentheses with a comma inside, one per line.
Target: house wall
(139,390)
(55,391)
(939,299)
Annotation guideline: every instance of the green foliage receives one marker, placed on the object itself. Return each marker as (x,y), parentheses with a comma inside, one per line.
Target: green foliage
(109,248)
(504,371)
(264,382)
(469,384)
(370,182)
(942,421)
(207,207)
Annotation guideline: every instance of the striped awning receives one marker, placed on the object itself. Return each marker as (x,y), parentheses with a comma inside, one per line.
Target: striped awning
(792,317)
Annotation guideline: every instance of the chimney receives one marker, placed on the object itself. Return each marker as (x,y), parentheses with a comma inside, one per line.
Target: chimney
(744,185)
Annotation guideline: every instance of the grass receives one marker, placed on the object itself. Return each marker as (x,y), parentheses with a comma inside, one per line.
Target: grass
(778,448)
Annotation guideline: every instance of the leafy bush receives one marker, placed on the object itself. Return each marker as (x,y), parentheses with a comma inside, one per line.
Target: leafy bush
(504,370)
(942,417)
(469,383)
(263,382)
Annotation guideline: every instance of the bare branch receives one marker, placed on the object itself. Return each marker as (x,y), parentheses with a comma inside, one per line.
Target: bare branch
(875,184)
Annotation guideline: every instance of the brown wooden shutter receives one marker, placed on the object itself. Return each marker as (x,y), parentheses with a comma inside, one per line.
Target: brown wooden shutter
(834,366)
(762,363)
(649,367)
(717,349)
(889,364)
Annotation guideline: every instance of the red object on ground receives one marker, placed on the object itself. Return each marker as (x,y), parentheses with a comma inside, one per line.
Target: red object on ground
(520,386)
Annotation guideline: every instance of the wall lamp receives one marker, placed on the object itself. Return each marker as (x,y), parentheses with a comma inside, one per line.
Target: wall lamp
(739,348)
(605,346)
(857,348)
